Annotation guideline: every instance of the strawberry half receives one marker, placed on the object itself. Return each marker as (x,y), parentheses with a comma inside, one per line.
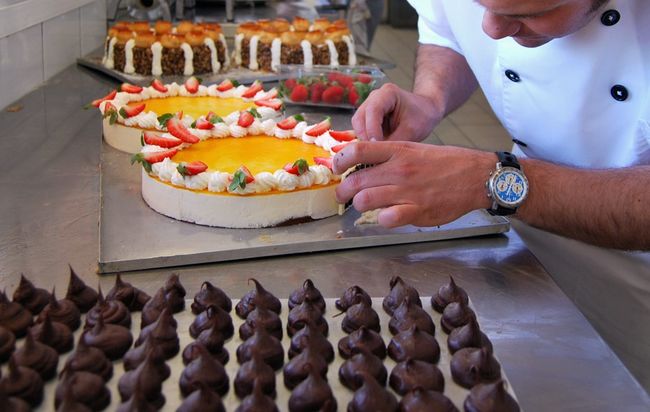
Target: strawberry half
(158,140)
(159,86)
(320,128)
(130,88)
(192,84)
(364,78)
(343,136)
(227,85)
(298,167)
(110,112)
(290,122)
(339,147)
(271,94)
(204,124)
(324,161)
(192,168)
(275,104)
(178,129)
(130,111)
(110,96)
(252,90)
(147,159)
(246,119)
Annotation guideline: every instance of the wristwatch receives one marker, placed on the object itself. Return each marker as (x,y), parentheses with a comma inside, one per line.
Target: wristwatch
(507,185)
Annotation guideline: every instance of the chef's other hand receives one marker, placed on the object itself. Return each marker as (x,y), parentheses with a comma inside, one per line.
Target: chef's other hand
(391,113)
(415,183)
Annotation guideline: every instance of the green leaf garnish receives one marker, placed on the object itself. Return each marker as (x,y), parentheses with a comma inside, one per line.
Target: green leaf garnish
(254,112)
(235,83)
(142,139)
(123,113)
(238,181)
(215,119)
(182,169)
(299,117)
(139,158)
(163,118)
(193,125)
(302,165)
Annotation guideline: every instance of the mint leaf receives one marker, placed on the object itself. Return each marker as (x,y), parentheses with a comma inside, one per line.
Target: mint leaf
(215,119)
(302,166)
(123,113)
(193,125)
(299,117)
(139,158)
(112,117)
(163,118)
(182,169)
(141,141)
(238,181)
(235,83)
(254,112)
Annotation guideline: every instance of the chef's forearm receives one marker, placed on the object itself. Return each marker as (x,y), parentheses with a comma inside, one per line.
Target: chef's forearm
(603,207)
(444,76)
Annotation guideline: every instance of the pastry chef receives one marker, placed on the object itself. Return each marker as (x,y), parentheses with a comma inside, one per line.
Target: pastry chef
(570,81)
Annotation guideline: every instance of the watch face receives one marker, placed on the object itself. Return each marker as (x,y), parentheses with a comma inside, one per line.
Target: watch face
(510,187)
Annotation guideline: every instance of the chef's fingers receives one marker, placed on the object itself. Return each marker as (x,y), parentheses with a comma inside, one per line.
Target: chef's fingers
(377,197)
(398,215)
(362,152)
(362,179)
(370,120)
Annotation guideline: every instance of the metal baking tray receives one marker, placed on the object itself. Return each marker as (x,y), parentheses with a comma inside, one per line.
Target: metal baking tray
(134,237)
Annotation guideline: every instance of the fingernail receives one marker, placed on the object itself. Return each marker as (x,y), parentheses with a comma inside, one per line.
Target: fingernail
(372,139)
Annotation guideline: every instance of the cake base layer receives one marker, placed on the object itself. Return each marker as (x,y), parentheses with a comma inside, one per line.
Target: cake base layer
(124,138)
(237,211)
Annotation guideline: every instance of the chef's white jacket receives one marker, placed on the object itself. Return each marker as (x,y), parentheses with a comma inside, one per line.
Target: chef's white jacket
(581,100)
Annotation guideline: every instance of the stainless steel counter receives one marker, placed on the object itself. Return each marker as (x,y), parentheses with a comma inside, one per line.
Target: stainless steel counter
(49,185)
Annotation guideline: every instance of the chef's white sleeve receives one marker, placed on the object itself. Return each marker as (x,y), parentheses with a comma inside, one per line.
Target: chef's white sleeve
(433,27)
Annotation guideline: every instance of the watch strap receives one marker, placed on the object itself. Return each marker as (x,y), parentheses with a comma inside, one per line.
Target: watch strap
(507,159)
(502,211)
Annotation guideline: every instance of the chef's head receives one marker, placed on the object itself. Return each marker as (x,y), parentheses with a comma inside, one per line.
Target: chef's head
(533,23)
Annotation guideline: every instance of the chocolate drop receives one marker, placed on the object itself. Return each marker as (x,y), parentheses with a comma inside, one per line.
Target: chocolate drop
(471,366)
(303,314)
(257,401)
(298,368)
(468,336)
(407,315)
(147,378)
(422,400)
(70,404)
(84,387)
(311,336)
(362,364)
(455,315)
(415,344)
(308,293)
(53,334)
(204,369)
(23,383)
(32,298)
(372,397)
(113,340)
(257,297)
(82,295)
(153,308)
(360,314)
(413,373)
(362,339)
(138,402)
(175,293)
(210,295)
(353,294)
(89,359)
(38,357)
(7,343)
(112,311)
(262,344)
(136,355)
(312,394)
(216,350)
(446,294)
(490,397)
(202,400)
(163,333)
(398,291)
(261,318)
(62,311)
(133,298)
(14,316)
(255,370)
(13,404)
(213,317)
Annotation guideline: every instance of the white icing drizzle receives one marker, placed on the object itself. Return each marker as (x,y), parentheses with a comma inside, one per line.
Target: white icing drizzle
(334,55)
(189,59)
(352,55)
(106,42)
(307,54)
(276,48)
(156,61)
(253,65)
(110,61)
(128,53)
(216,66)
(238,40)
(222,39)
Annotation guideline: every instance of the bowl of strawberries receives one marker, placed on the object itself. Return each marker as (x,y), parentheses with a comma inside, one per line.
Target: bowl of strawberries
(344,87)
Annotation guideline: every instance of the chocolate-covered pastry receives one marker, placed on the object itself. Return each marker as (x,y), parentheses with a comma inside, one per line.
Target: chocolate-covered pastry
(362,339)
(298,368)
(14,316)
(362,364)
(413,373)
(139,403)
(204,369)
(360,314)
(257,297)
(13,404)
(409,314)
(37,356)
(163,333)
(62,311)
(490,397)
(82,295)
(265,345)
(153,308)
(7,343)
(311,336)
(217,351)
(212,317)
(136,355)
(446,294)
(113,340)
(257,401)
(415,344)
(132,297)
(353,294)
(30,297)
(422,400)
(468,336)
(70,404)
(210,295)
(249,372)
(455,315)
(147,378)
(398,291)
(470,366)
(53,334)
(305,313)
(261,318)
(84,387)
(202,400)
(23,383)
(372,397)
(175,294)
(112,311)
(89,359)
(313,394)
(307,292)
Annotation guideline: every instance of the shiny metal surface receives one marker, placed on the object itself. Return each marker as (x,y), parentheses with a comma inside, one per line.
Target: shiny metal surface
(49,208)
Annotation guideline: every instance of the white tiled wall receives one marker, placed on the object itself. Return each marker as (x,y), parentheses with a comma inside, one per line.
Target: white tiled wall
(35,54)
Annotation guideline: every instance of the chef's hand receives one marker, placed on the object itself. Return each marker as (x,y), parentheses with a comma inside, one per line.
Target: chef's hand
(391,113)
(415,183)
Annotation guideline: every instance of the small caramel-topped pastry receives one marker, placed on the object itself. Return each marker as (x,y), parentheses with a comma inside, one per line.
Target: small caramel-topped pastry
(340,23)
(213,34)
(123,35)
(185,26)
(112,32)
(171,40)
(249,29)
(138,25)
(281,25)
(264,23)
(300,24)
(195,37)
(163,27)
(292,38)
(335,33)
(120,25)
(315,37)
(320,24)
(144,39)
(268,35)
